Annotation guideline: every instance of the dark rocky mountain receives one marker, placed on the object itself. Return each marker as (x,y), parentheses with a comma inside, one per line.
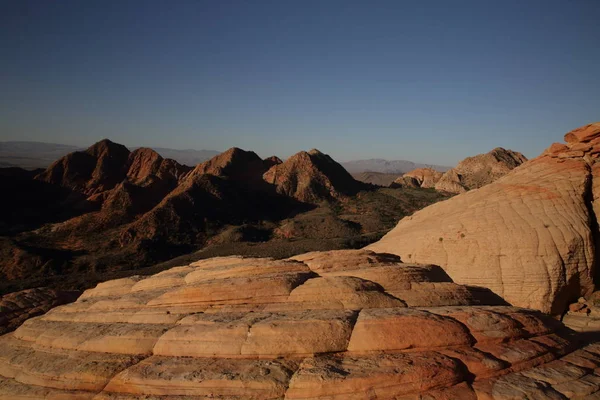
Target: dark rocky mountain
(311,177)
(107,209)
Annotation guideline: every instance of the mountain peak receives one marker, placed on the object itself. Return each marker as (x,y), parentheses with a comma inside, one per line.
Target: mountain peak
(233,163)
(107,147)
(311,177)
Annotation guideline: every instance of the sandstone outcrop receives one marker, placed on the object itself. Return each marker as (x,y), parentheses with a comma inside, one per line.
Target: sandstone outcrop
(333,325)
(530,236)
(420,177)
(480,170)
(311,177)
(17,307)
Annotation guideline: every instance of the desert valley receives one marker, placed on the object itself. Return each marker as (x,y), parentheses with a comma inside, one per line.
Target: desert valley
(244,278)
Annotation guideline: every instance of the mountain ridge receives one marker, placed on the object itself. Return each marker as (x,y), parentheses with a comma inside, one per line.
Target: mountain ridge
(33,154)
(387,166)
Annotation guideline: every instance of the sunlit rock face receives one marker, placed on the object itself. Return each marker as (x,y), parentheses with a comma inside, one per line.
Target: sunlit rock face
(325,325)
(530,236)
(478,171)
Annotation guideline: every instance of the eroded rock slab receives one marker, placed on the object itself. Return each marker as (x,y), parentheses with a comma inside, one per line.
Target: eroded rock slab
(334,325)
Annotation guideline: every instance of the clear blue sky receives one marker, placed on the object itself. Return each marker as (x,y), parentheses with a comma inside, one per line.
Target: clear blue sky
(423,80)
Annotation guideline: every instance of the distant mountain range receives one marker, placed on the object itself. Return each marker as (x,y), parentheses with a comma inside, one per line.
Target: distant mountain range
(107,209)
(32,155)
(387,166)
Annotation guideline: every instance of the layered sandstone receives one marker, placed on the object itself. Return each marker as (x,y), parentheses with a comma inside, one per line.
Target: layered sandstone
(17,307)
(333,325)
(530,236)
(480,170)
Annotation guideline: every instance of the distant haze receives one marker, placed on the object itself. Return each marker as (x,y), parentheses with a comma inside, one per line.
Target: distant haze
(31,155)
(387,166)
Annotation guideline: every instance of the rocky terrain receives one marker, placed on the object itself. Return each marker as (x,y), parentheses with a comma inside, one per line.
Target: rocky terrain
(323,325)
(531,236)
(478,171)
(471,173)
(106,211)
(456,302)
(312,177)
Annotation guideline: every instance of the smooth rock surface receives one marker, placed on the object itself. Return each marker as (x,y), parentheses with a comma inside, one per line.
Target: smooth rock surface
(528,237)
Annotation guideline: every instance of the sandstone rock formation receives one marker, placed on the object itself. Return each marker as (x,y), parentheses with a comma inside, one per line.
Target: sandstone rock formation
(19,306)
(530,236)
(311,177)
(420,177)
(334,325)
(480,170)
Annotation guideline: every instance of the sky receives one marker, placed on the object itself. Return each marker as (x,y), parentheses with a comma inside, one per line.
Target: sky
(422,80)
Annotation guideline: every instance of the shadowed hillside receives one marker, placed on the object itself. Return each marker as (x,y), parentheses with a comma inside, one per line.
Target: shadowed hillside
(106,211)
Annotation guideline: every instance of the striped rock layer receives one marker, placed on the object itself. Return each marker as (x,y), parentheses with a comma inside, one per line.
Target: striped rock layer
(325,325)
